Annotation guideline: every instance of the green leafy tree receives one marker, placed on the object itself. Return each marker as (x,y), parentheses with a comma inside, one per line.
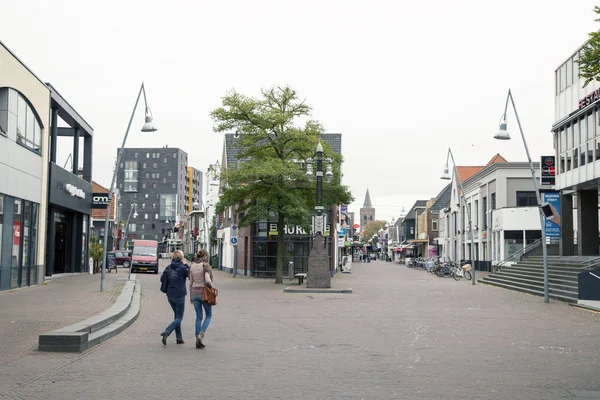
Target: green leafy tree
(371,229)
(269,181)
(95,250)
(589,59)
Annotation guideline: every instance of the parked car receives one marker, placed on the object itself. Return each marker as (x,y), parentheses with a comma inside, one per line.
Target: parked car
(123,257)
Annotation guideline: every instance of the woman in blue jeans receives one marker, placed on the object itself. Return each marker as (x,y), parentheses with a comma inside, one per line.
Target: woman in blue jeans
(175,275)
(200,276)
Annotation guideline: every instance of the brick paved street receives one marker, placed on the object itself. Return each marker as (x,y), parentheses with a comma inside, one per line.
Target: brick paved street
(403,334)
(26,313)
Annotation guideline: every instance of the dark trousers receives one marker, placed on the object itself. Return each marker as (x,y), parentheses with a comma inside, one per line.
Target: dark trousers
(178,306)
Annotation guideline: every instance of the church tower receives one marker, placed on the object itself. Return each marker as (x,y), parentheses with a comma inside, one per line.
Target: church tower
(367,212)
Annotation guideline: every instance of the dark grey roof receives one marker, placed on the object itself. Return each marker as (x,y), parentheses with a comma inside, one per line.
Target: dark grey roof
(367,200)
(334,140)
(412,214)
(442,199)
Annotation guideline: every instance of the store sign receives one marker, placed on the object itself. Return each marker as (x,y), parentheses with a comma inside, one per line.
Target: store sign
(16,233)
(100,200)
(548,165)
(74,191)
(589,99)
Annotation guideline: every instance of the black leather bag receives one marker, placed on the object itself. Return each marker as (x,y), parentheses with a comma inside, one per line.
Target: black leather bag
(164,285)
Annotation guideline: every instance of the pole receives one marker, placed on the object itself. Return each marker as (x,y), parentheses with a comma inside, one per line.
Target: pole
(112,187)
(538,197)
(468,217)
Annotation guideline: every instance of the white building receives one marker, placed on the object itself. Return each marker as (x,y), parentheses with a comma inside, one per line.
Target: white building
(503,205)
(209,201)
(576,136)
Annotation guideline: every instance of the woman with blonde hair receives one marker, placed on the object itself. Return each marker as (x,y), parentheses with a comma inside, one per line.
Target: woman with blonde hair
(200,275)
(174,276)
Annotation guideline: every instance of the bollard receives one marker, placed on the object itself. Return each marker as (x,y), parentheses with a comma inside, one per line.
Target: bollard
(291,270)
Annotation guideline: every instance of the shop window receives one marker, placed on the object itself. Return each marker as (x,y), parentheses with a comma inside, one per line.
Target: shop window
(1,222)
(526,199)
(582,155)
(16,245)
(575,158)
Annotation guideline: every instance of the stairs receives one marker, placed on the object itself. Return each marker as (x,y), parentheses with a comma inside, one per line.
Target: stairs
(527,276)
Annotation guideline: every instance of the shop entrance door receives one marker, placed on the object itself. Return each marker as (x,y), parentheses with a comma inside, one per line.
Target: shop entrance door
(61,245)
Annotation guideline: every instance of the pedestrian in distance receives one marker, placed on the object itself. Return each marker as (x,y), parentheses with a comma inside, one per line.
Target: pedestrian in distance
(174,277)
(200,275)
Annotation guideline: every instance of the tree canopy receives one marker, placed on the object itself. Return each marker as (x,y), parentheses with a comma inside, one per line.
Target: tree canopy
(371,229)
(269,180)
(589,59)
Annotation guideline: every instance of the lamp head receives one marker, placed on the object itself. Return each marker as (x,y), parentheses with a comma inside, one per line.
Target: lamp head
(135,214)
(167,222)
(329,174)
(445,176)
(309,170)
(149,124)
(319,148)
(502,133)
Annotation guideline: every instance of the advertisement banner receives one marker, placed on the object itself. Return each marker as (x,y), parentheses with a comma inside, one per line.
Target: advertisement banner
(344,209)
(551,208)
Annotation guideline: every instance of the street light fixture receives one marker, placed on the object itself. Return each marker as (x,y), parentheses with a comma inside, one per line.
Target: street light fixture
(147,127)
(446,176)
(504,135)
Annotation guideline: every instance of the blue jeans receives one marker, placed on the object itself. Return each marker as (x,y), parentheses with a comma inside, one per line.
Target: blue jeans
(178,306)
(198,305)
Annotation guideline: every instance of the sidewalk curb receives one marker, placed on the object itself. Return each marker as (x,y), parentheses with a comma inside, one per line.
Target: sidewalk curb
(94,330)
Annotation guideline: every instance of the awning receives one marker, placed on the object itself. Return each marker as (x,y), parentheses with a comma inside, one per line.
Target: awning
(419,240)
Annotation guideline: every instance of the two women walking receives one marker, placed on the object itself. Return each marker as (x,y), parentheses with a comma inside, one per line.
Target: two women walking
(200,275)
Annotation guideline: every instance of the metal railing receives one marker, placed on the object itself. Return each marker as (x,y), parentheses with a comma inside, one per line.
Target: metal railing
(517,256)
(590,264)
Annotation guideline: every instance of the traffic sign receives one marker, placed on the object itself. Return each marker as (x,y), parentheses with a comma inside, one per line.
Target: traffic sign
(234,241)
(234,231)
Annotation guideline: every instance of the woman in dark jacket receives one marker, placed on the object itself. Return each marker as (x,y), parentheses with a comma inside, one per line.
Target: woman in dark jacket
(176,274)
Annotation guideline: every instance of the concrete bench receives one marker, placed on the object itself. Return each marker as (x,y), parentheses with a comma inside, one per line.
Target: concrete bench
(300,277)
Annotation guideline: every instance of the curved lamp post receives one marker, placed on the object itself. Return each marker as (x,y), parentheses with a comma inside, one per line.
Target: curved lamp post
(446,176)
(504,135)
(147,127)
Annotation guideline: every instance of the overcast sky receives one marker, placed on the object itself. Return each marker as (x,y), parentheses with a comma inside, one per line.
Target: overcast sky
(402,80)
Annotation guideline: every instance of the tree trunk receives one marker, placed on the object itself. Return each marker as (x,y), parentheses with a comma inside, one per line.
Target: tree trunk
(280,248)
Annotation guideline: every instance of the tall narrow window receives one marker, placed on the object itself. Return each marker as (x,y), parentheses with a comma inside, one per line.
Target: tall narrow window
(131,176)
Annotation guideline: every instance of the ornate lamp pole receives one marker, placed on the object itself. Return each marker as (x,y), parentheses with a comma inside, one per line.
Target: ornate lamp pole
(319,275)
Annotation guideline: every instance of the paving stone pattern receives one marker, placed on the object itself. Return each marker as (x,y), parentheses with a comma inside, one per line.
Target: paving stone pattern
(28,312)
(403,334)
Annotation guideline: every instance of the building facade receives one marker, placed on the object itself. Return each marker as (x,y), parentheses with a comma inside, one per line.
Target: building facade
(504,215)
(576,137)
(153,182)
(24,142)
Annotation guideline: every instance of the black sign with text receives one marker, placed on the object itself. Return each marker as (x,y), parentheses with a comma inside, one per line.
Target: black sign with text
(548,165)
(100,200)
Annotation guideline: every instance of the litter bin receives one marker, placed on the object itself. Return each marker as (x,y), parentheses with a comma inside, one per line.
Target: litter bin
(291,270)
(214,260)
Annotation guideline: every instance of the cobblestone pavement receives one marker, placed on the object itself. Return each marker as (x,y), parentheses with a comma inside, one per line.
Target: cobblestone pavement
(402,334)
(28,312)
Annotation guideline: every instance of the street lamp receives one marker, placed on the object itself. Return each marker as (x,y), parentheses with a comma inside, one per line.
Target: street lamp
(319,275)
(446,176)
(148,127)
(503,135)
(135,214)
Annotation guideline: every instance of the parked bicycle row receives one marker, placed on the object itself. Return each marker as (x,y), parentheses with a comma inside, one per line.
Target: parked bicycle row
(441,268)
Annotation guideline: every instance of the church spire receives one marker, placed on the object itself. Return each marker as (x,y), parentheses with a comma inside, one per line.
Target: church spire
(367,200)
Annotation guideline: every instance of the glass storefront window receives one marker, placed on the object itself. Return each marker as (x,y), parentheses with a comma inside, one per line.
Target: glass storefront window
(590,126)
(575,159)
(33,241)
(574,131)
(25,236)
(582,131)
(84,243)
(1,226)
(16,247)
